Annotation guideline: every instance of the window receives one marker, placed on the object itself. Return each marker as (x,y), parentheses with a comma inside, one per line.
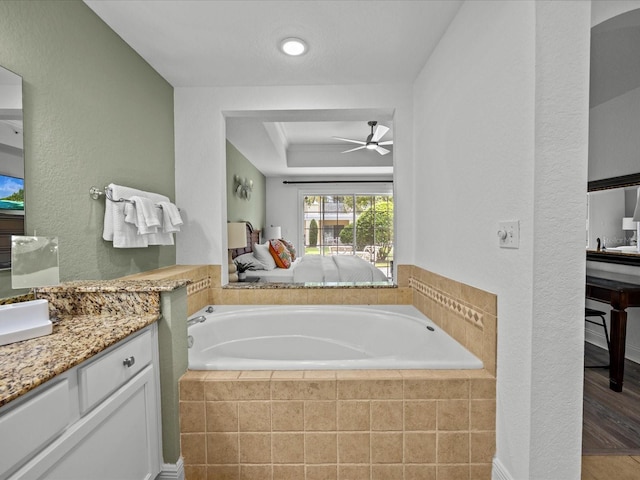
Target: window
(353,224)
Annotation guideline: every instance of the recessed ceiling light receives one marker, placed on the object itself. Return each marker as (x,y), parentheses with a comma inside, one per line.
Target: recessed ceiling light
(293,46)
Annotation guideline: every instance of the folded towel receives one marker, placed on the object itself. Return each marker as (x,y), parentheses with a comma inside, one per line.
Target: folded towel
(171,219)
(142,212)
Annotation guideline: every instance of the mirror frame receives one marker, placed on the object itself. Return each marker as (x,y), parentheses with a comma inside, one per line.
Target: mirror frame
(608,184)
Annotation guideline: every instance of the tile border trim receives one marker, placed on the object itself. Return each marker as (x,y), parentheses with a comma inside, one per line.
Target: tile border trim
(199,285)
(473,316)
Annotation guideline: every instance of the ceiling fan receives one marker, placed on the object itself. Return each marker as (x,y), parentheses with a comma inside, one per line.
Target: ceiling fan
(372,142)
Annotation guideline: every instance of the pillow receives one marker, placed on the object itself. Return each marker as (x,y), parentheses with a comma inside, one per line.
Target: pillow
(280,253)
(290,247)
(249,261)
(261,252)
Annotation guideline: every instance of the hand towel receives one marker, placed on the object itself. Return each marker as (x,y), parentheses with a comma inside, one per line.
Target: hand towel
(146,216)
(171,219)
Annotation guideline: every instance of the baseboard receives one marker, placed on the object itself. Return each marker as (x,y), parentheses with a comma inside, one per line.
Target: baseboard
(172,471)
(632,352)
(499,472)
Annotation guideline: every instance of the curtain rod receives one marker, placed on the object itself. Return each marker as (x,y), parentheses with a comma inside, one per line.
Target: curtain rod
(286,182)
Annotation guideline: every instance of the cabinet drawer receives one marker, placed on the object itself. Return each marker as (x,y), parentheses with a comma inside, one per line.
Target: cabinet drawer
(32,424)
(104,375)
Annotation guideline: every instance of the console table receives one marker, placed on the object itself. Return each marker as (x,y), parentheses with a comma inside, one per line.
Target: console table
(620,292)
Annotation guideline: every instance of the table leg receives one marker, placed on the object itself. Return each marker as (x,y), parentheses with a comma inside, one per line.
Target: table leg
(618,334)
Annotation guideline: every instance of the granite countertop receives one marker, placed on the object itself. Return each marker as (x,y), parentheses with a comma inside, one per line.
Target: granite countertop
(27,364)
(111,286)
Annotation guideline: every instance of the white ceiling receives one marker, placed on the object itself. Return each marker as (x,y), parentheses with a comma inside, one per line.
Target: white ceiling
(234,43)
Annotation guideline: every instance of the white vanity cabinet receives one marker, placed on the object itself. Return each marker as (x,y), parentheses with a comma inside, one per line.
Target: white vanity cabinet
(98,421)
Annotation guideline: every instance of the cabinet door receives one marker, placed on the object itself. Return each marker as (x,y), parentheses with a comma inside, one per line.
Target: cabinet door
(118,440)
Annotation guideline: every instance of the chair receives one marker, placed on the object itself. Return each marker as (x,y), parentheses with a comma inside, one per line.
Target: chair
(590,312)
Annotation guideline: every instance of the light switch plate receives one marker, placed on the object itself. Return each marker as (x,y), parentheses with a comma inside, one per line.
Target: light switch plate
(509,234)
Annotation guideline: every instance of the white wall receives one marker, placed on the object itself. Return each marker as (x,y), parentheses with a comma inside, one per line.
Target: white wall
(501,111)
(200,154)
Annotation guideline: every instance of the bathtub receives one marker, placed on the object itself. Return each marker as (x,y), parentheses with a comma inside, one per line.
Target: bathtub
(321,337)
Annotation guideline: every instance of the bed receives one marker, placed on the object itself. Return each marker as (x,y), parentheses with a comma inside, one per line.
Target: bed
(261,263)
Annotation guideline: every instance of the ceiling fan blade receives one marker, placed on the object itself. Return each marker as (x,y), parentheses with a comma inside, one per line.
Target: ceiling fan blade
(388,142)
(349,140)
(382,151)
(354,149)
(379,133)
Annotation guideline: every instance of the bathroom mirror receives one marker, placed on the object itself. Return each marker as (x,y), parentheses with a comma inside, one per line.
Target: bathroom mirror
(12,207)
(34,261)
(611,204)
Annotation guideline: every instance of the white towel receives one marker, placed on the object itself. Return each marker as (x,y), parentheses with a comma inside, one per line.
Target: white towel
(124,234)
(116,230)
(143,214)
(171,219)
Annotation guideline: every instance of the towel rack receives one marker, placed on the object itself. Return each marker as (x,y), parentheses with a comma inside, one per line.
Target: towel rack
(96,193)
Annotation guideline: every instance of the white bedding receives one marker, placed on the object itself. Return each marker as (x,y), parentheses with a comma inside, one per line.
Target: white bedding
(317,269)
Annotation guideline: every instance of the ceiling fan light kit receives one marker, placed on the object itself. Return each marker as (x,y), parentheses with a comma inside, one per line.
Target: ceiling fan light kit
(372,142)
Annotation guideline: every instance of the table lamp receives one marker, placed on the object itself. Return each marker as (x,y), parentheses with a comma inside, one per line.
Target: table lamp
(271,232)
(629,224)
(236,238)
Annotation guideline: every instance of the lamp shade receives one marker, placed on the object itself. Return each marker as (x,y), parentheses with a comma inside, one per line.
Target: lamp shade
(628,223)
(271,232)
(236,235)
(636,213)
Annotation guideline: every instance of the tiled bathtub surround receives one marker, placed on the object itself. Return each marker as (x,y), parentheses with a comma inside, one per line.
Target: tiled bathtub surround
(386,425)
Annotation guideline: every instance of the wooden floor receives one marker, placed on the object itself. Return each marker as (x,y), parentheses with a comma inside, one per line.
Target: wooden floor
(611,421)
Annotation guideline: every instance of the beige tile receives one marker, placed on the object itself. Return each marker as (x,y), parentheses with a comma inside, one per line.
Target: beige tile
(354,472)
(196,472)
(420,472)
(320,375)
(287,374)
(222,472)
(453,447)
(287,416)
(386,447)
(321,472)
(319,389)
(420,447)
(320,447)
(253,374)
(192,417)
(453,472)
(480,471)
(353,415)
(320,415)
(255,447)
(453,415)
(353,447)
(386,415)
(387,472)
(369,389)
(483,447)
(254,416)
(191,387)
(287,447)
(420,415)
(222,448)
(237,390)
(194,448)
(215,375)
(483,388)
(221,416)
(436,389)
(255,472)
(288,472)
(483,415)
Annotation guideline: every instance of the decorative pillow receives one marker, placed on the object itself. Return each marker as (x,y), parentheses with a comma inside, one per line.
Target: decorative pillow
(280,253)
(249,261)
(261,252)
(290,247)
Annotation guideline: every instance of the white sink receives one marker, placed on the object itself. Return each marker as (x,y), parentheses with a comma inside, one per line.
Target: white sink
(24,320)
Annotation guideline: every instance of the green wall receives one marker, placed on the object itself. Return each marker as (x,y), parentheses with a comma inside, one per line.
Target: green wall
(240,209)
(94,113)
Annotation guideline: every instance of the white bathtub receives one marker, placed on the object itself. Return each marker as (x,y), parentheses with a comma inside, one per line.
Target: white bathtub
(322,337)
